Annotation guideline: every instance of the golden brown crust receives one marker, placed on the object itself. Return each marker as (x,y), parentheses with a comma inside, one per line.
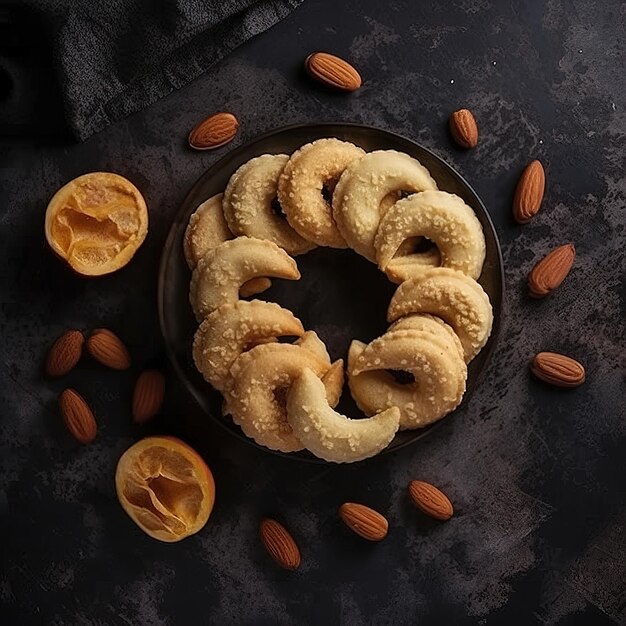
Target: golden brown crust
(434,361)
(220,273)
(232,329)
(254,399)
(363,188)
(330,435)
(248,204)
(441,217)
(301,184)
(454,297)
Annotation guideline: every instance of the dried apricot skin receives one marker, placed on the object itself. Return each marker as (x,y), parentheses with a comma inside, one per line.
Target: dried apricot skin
(165,487)
(96,223)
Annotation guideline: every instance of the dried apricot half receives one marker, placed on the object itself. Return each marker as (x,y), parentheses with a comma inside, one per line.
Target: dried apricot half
(96,223)
(165,487)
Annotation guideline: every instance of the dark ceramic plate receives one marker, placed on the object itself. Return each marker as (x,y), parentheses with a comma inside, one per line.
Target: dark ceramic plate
(341,295)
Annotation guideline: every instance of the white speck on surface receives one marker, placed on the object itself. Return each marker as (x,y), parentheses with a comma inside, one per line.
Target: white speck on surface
(613,106)
(580,51)
(541,141)
(452,81)
(494,63)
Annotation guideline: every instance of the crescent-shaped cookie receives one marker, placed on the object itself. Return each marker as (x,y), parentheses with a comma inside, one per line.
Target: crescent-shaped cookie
(439,216)
(249,204)
(222,271)
(454,297)
(330,435)
(233,328)
(433,360)
(359,197)
(333,379)
(310,170)
(257,398)
(428,323)
(207,228)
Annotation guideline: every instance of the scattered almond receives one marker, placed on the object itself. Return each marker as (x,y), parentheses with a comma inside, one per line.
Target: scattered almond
(332,71)
(77,416)
(557,369)
(463,128)
(280,544)
(529,192)
(64,353)
(366,522)
(551,271)
(430,500)
(148,395)
(214,131)
(107,348)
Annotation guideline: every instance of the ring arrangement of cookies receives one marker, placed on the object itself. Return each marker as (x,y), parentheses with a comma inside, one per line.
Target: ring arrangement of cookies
(384,205)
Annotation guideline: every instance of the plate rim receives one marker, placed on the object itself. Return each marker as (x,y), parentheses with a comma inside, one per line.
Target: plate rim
(169,244)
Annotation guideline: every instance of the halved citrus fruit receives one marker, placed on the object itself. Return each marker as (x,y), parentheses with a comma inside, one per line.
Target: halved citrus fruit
(165,487)
(96,223)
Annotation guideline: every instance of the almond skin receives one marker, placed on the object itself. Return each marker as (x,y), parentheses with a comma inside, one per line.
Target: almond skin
(430,500)
(148,395)
(280,544)
(107,348)
(332,71)
(463,128)
(77,416)
(529,192)
(64,353)
(557,369)
(551,271)
(214,131)
(365,522)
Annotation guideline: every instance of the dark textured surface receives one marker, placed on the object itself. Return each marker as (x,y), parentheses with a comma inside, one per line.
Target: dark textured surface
(536,474)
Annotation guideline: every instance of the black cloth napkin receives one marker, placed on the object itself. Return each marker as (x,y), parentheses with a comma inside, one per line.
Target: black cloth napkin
(114,57)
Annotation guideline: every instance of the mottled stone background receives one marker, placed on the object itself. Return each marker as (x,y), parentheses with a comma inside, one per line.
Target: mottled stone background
(537,475)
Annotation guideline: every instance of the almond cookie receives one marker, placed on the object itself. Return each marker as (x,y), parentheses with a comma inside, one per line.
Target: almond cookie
(257,397)
(454,297)
(362,193)
(441,217)
(249,202)
(207,228)
(222,271)
(429,324)
(232,329)
(310,171)
(433,360)
(330,435)
(333,379)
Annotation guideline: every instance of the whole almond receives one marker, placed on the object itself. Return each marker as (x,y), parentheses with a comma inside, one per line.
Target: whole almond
(463,128)
(366,522)
(65,353)
(148,395)
(529,192)
(332,71)
(430,500)
(107,348)
(214,131)
(551,271)
(557,369)
(77,416)
(280,544)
